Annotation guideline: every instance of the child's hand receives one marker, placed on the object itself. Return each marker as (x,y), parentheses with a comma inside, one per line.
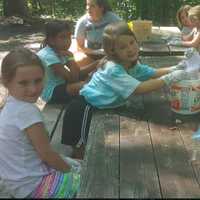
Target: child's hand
(175,43)
(76,169)
(190,52)
(174,76)
(66,53)
(74,164)
(180,66)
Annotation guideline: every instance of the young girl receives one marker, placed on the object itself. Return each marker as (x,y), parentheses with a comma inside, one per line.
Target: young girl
(121,76)
(63,77)
(63,82)
(29,167)
(194,40)
(184,21)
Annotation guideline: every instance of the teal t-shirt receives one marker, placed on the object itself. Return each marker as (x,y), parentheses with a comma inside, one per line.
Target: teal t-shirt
(49,58)
(111,85)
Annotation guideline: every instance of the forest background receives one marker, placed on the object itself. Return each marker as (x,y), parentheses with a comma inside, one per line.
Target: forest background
(161,12)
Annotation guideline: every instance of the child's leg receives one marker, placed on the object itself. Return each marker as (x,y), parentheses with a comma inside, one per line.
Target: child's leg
(59,95)
(76,123)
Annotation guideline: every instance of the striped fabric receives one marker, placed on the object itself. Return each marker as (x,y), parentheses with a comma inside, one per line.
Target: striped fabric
(57,185)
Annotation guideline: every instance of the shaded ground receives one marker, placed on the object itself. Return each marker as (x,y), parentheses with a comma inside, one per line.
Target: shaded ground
(18,35)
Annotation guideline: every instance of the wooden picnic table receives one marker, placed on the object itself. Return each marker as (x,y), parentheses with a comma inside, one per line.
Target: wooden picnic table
(140,154)
(141,150)
(157,44)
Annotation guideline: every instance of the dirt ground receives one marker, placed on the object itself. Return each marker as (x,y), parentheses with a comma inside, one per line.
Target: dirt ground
(15,35)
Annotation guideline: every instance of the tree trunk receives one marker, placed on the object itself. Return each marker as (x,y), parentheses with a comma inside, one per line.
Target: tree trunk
(15,8)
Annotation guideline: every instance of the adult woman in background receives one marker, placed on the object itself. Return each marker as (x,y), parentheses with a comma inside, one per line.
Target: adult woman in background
(89,28)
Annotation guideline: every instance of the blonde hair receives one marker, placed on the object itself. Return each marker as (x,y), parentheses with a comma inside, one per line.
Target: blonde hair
(110,35)
(184,8)
(194,12)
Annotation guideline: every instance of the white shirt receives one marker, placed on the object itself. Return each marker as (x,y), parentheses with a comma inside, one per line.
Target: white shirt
(21,169)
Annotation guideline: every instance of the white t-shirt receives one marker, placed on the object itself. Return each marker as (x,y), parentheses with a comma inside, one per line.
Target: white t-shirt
(21,169)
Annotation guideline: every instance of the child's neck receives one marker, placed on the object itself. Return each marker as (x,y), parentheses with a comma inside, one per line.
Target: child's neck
(128,65)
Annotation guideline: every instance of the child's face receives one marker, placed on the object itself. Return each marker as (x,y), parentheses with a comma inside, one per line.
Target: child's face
(27,84)
(185,21)
(62,40)
(94,10)
(195,22)
(126,50)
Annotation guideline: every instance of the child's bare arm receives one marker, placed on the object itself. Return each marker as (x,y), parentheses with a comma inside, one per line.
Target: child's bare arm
(149,86)
(70,71)
(85,70)
(165,70)
(63,72)
(162,71)
(38,136)
(195,42)
(187,37)
(81,46)
(167,79)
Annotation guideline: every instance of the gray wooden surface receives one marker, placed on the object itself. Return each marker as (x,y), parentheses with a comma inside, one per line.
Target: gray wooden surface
(131,157)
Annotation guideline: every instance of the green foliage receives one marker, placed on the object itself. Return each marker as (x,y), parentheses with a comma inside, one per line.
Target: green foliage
(161,12)
(57,8)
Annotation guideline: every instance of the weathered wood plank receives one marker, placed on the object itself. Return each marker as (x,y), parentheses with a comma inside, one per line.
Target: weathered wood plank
(138,176)
(177,50)
(176,175)
(100,173)
(192,146)
(157,108)
(154,49)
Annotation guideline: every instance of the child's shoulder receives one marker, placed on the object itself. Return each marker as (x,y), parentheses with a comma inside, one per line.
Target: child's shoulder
(45,51)
(83,19)
(112,65)
(19,107)
(48,55)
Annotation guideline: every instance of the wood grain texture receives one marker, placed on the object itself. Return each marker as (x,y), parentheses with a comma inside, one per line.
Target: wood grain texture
(138,176)
(100,174)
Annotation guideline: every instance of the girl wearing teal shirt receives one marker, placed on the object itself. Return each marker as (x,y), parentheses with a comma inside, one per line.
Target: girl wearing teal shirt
(63,81)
